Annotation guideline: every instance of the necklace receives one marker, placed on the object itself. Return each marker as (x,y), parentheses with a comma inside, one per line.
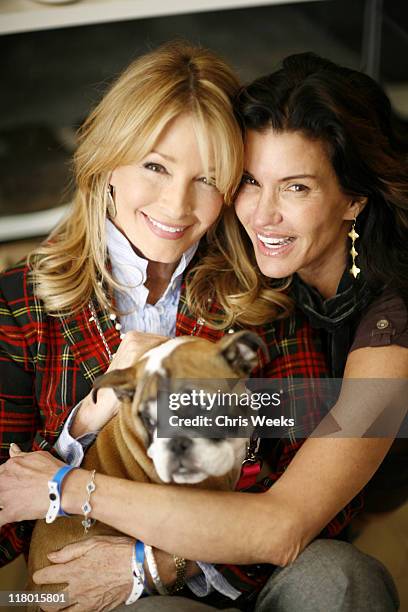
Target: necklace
(198,325)
(113,317)
(118,326)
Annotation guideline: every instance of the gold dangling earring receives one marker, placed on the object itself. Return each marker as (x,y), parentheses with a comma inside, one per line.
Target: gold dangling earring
(111,206)
(354,270)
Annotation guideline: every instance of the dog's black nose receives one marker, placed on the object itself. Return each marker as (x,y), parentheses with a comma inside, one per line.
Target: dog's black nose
(180,445)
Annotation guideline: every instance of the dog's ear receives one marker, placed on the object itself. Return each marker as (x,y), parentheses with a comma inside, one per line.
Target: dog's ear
(123,383)
(240,350)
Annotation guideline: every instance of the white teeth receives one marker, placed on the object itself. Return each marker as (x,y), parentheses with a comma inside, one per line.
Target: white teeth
(272,243)
(166,228)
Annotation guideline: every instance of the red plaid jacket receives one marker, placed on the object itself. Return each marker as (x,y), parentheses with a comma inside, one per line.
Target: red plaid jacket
(48,365)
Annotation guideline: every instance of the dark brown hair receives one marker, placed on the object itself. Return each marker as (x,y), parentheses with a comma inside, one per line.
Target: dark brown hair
(350,113)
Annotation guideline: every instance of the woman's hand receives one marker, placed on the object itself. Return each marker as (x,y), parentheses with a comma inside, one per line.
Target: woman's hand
(98,572)
(91,417)
(24,484)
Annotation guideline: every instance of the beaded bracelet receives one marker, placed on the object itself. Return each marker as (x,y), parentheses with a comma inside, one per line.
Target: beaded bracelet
(86,506)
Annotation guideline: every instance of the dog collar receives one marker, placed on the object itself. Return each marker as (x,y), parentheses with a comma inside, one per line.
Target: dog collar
(251,466)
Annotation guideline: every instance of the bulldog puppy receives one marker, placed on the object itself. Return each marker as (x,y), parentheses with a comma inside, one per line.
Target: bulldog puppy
(128,446)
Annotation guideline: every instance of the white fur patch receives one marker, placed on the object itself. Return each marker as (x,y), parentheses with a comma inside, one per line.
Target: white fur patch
(204,458)
(156,355)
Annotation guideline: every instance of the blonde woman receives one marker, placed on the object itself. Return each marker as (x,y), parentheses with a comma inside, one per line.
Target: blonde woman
(158,159)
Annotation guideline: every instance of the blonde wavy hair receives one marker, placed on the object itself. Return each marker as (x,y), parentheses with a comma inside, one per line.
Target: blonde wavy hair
(229,274)
(174,79)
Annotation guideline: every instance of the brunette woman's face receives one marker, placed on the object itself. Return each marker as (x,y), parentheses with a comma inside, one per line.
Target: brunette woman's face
(292,207)
(166,202)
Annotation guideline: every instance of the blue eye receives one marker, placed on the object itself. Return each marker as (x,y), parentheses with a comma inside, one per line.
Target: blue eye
(155,167)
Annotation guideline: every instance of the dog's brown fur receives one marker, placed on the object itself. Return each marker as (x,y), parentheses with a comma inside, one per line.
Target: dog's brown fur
(120,448)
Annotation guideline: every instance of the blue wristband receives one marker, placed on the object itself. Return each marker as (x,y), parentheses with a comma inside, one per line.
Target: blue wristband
(58,478)
(138,586)
(140,558)
(140,553)
(54,493)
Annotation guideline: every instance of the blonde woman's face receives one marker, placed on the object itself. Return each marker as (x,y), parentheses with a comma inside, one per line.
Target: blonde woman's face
(166,202)
(291,204)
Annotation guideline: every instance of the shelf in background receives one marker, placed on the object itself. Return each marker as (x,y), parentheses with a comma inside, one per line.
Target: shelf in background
(25,15)
(29,225)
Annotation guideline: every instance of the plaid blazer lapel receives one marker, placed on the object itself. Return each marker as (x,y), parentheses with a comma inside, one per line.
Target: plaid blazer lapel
(188,324)
(86,345)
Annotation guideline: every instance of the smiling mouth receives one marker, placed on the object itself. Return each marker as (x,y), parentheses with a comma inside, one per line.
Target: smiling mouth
(172,229)
(275,243)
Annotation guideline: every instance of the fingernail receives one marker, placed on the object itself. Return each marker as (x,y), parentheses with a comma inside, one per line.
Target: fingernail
(52,555)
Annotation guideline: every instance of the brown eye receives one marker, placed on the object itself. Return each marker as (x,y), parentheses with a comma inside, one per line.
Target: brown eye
(155,167)
(247,179)
(208,180)
(148,422)
(298,188)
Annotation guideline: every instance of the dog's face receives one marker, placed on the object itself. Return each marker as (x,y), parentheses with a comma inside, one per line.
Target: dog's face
(184,459)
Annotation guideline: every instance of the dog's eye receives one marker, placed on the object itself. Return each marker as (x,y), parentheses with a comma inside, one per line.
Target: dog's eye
(148,421)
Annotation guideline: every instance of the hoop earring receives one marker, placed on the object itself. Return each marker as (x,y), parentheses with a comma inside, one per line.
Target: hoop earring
(111,205)
(354,270)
